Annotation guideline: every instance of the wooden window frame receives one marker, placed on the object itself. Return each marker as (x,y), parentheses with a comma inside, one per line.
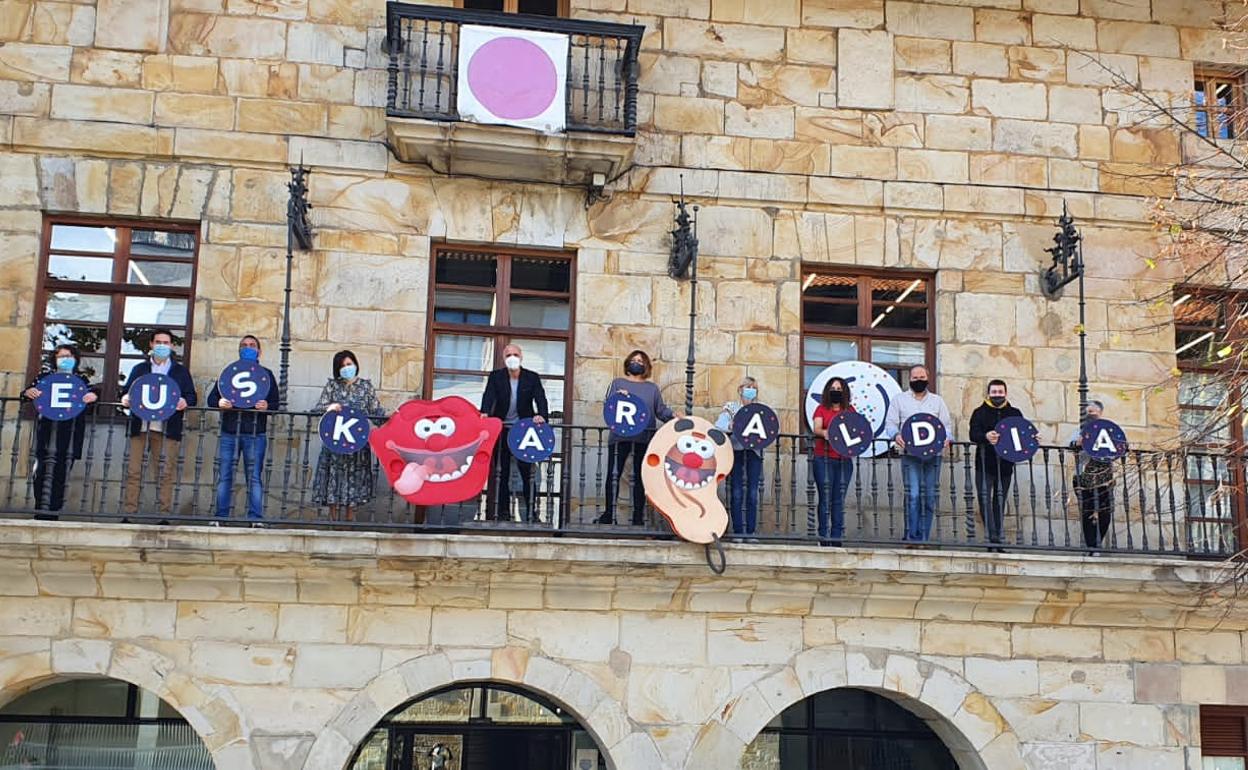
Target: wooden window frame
(1237,392)
(863,333)
(117,290)
(513,6)
(1207,79)
(502,333)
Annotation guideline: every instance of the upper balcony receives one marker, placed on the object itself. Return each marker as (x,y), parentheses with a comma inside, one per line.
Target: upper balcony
(511,96)
(1172,504)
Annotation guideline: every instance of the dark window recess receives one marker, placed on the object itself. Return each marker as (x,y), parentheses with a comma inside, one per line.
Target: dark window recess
(1224,731)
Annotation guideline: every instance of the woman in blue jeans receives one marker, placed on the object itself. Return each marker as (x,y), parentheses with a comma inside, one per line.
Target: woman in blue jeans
(747,466)
(832,471)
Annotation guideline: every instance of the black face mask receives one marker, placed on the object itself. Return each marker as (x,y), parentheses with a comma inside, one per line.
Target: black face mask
(918,386)
(836,396)
(997,401)
(635,368)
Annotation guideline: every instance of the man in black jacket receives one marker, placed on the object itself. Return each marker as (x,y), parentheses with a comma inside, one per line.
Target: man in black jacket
(512,393)
(992,474)
(245,433)
(159,439)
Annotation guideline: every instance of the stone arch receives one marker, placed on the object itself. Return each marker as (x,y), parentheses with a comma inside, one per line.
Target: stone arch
(977,735)
(622,743)
(214,715)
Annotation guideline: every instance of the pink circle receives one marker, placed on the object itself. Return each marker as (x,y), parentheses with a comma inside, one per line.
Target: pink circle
(513,78)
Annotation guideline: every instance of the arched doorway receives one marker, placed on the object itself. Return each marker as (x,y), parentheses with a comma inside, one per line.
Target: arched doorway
(479,727)
(847,729)
(93,724)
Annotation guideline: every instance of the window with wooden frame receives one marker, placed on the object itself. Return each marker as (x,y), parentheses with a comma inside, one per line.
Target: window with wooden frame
(104,285)
(1218,101)
(1224,737)
(1211,403)
(534,7)
(884,317)
(484,298)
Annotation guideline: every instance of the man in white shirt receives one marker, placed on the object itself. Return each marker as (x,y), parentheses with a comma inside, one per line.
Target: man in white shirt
(921,476)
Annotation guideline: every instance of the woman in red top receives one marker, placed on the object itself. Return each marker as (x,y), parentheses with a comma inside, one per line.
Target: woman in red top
(832,471)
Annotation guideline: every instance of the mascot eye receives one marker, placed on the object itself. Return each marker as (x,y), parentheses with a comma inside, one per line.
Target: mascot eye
(704,449)
(424,428)
(445,426)
(686,444)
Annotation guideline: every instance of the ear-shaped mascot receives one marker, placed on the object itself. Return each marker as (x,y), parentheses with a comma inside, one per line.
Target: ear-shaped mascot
(685,461)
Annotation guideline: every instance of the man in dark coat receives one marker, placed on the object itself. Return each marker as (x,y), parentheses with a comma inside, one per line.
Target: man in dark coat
(992,474)
(159,440)
(512,393)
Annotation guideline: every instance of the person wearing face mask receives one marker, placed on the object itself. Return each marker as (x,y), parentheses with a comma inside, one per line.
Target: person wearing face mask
(245,433)
(921,476)
(993,475)
(832,471)
(343,482)
(747,465)
(1094,482)
(636,381)
(57,443)
(512,393)
(160,440)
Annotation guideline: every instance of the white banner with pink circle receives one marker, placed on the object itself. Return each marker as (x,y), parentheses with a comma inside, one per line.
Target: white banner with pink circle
(512,77)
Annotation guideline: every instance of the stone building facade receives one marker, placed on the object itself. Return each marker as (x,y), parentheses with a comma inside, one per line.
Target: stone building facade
(843,137)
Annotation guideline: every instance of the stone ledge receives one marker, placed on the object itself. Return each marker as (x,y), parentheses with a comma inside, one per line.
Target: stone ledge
(27,539)
(502,152)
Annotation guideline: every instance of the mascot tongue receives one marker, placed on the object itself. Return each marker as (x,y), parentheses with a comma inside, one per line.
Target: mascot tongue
(412,479)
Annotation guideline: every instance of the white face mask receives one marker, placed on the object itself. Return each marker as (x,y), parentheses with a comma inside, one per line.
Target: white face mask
(512,362)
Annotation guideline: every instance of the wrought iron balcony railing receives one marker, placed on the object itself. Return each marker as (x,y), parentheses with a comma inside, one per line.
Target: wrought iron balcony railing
(423,44)
(1161,503)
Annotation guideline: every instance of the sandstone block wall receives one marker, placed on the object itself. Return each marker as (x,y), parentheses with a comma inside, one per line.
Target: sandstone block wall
(283,649)
(941,136)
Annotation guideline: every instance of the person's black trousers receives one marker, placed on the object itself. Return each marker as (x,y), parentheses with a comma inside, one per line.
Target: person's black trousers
(993,488)
(1097,509)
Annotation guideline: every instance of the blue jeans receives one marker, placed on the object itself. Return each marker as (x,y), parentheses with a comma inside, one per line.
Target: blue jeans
(252,449)
(747,473)
(831,483)
(922,480)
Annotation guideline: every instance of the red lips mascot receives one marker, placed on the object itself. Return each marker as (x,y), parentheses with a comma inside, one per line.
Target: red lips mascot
(436,452)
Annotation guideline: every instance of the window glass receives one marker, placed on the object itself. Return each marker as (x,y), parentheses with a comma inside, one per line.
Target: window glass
(459,351)
(463,307)
(156,311)
(466,269)
(541,274)
(535,313)
(148,273)
(546,357)
(81,238)
(69,268)
(450,706)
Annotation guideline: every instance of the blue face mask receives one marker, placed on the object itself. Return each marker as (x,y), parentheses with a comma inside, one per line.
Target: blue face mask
(347,372)
(750,393)
(161,351)
(65,364)
(249,354)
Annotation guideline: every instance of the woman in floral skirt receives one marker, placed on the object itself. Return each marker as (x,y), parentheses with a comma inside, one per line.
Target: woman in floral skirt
(345,481)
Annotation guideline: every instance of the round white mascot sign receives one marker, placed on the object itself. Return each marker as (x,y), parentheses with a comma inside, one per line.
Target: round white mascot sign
(872,390)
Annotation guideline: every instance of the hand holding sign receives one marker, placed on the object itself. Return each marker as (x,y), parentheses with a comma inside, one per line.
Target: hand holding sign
(1018,440)
(154,397)
(756,426)
(244,384)
(61,396)
(925,436)
(345,431)
(626,415)
(849,434)
(531,441)
(1104,440)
